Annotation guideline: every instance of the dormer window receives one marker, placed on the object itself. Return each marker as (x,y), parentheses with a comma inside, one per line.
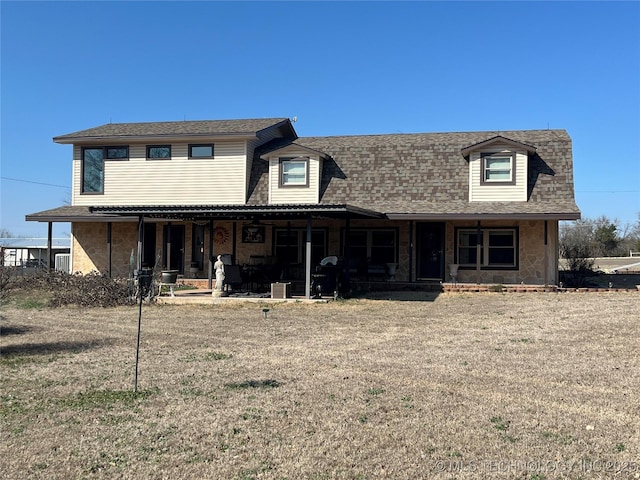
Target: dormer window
(294,171)
(498,168)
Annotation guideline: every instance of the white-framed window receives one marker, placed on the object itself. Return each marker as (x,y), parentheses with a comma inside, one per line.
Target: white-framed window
(498,168)
(498,248)
(294,172)
(201,150)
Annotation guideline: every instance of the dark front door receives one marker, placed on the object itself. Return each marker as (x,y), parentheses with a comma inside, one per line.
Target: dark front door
(173,243)
(430,251)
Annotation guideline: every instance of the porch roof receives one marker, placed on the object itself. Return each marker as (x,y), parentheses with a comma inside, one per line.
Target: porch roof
(117,213)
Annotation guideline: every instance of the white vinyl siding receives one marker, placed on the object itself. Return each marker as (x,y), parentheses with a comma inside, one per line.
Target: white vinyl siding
(498,192)
(179,180)
(294,194)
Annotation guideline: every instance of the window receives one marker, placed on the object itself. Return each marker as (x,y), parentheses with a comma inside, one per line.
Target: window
(93,166)
(290,245)
(294,172)
(498,168)
(116,153)
(159,151)
(498,247)
(372,247)
(201,151)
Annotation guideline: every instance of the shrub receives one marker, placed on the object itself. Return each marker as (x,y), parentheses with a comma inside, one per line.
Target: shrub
(90,290)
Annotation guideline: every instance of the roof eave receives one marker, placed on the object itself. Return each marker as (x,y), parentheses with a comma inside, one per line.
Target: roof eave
(105,139)
(498,139)
(484,216)
(296,147)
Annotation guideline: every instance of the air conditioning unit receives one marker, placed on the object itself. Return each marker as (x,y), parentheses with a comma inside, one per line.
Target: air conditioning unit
(63,262)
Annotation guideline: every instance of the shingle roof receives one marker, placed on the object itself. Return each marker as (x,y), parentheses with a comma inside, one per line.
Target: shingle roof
(427,174)
(159,129)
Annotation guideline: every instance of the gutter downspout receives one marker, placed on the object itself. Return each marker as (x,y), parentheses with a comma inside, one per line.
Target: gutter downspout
(478,251)
(546,253)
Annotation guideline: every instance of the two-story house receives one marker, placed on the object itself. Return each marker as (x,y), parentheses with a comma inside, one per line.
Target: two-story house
(400,207)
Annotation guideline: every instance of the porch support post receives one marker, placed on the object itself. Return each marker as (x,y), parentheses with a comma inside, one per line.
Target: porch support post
(210,263)
(234,242)
(411,223)
(478,251)
(109,224)
(168,249)
(49,242)
(140,236)
(546,253)
(346,263)
(307,275)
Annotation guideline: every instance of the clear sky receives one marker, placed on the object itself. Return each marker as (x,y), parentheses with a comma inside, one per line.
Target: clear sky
(341,68)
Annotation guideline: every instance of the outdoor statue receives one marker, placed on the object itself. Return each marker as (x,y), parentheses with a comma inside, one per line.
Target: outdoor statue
(219,269)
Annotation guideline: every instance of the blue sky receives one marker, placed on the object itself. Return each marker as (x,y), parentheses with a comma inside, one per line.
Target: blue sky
(341,68)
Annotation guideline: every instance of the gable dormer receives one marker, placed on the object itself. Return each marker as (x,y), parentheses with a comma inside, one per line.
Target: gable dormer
(294,175)
(498,170)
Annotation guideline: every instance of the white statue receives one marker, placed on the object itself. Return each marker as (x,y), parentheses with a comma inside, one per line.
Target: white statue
(219,268)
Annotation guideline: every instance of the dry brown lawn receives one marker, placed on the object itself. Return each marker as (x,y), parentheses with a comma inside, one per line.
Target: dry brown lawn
(464,386)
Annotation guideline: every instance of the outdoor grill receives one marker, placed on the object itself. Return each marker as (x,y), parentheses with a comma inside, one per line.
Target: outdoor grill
(325,278)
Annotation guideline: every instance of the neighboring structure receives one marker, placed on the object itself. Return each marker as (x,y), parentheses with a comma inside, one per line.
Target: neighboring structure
(32,252)
(406,204)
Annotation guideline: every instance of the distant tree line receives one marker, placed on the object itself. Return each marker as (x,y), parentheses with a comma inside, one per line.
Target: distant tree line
(586,239)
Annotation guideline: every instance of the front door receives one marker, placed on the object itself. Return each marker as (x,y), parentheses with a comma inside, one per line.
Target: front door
(173,243)
(430,251)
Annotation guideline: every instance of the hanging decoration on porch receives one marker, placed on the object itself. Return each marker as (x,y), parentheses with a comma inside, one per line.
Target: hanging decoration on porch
(220,235)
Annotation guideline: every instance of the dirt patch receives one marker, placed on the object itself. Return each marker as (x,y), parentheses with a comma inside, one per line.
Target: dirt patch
(460,385)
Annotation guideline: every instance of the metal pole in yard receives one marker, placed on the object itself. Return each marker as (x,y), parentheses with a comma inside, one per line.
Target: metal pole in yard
(140,294)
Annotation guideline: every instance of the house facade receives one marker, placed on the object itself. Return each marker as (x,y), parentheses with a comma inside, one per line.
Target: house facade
(391,208)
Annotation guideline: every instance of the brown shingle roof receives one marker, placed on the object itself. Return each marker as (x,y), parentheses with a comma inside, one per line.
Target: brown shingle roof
(171,129)
(426,174)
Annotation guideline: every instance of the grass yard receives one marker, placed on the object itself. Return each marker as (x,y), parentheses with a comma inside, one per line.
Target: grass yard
(532,386)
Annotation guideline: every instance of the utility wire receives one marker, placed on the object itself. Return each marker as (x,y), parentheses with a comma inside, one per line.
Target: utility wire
(36,183)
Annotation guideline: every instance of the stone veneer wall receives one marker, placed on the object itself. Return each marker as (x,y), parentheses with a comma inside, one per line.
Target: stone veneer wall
(90,247)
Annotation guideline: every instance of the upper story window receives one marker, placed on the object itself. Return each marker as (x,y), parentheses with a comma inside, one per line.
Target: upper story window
(201,151)
(294,172)
(158,152)
(93,166)
(498,168)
